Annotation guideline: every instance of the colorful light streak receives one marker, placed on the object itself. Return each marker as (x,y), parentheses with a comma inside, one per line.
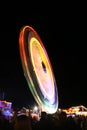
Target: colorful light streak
(38,70)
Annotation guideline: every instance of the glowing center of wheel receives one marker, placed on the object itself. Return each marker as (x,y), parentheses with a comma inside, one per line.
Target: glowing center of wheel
(42,69)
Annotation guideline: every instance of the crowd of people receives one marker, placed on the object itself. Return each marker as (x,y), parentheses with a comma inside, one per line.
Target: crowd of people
(23,120)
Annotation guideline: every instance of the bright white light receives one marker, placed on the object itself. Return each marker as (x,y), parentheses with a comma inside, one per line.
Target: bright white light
(35,108)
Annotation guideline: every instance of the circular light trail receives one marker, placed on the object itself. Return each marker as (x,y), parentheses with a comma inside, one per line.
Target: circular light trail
(38,70)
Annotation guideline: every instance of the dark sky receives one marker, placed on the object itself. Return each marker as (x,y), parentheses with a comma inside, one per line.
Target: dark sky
(61,33)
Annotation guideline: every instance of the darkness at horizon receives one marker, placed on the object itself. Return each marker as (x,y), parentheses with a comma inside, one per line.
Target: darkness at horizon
(61,37)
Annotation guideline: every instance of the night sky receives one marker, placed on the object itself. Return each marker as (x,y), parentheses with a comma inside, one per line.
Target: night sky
(61,34)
